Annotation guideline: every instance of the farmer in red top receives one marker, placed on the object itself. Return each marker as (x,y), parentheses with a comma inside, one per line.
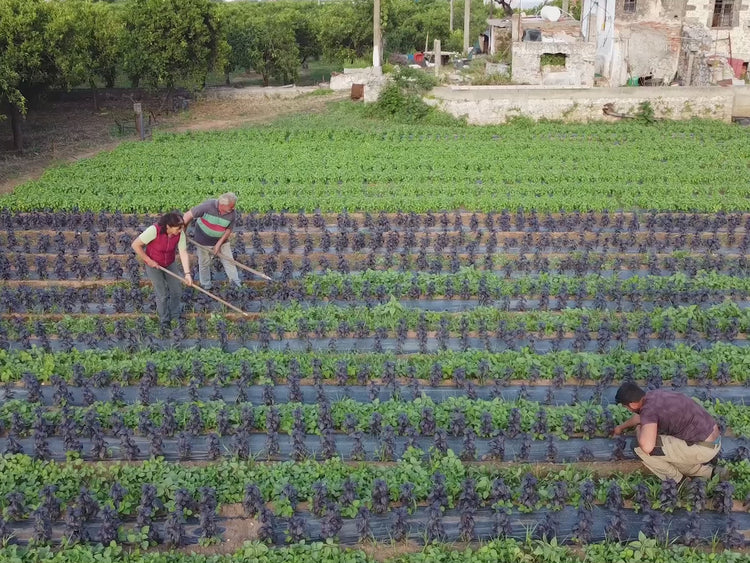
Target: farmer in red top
(156,247)
(676,436)
(214,219)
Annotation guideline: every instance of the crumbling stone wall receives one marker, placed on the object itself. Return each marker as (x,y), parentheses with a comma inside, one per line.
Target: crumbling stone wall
(560,30)
(693,67)
(650,40)
(372,78)
(652,48)
(578,70)
(486,105)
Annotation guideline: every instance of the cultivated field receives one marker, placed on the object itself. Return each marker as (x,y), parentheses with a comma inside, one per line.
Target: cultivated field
(429,376)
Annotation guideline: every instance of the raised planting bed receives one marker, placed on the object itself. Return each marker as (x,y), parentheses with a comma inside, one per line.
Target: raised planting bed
(410,378)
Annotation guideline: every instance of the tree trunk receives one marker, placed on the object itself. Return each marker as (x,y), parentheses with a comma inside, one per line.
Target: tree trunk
(167,98)
(94,96)
(16,124)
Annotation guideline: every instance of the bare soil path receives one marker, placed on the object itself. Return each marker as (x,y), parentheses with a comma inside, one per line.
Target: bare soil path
(70,129)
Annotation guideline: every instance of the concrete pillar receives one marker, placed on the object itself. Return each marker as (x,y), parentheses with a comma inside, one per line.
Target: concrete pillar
(377,40)
(515,27)
(438,56)
(467,20)
(593,28)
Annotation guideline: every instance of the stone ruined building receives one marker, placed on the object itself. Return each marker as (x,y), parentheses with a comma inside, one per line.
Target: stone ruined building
(697,42)
(652,42)
(545,52)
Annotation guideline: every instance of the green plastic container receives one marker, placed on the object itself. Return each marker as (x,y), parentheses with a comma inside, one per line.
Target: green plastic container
(633,81)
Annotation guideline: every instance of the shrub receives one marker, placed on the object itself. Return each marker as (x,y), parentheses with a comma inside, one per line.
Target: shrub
(401,100)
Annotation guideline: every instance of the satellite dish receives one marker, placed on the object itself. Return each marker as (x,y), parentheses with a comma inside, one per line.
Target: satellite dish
(550,13)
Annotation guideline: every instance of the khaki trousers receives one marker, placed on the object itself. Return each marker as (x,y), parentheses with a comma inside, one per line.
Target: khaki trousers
(204,265)
(679,459)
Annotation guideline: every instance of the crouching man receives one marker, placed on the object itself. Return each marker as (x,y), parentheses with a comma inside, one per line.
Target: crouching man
(676,436)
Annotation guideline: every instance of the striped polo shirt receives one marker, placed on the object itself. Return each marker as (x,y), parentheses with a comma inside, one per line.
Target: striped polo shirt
(210,225)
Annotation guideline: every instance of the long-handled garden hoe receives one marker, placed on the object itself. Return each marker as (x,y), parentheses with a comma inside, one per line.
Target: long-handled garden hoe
(211,295)
(233,261)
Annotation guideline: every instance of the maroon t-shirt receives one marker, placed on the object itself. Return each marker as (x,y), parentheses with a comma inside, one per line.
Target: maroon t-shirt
(677,415)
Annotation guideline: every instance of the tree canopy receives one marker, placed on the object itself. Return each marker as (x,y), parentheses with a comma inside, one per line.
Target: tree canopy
(165,43)
(264,40)
(26,60)
(85,37)
(168,41)
(25,57)
(346,29)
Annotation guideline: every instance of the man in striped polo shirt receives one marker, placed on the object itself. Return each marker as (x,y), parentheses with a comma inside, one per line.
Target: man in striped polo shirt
(214,219)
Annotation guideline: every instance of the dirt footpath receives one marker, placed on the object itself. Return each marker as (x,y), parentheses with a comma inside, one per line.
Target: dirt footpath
(70,129)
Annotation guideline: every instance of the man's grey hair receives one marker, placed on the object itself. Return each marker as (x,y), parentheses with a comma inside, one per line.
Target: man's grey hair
(228,198)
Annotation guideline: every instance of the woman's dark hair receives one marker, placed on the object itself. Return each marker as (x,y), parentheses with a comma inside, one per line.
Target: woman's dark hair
(171,219)
(629,393)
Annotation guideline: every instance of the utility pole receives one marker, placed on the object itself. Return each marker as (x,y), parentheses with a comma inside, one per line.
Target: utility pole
(467,19)
(377,56)
(438,56)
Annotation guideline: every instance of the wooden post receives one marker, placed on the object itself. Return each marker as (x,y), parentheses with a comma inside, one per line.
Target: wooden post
(139,120)
(438,56)
(467,20)
(377,57)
